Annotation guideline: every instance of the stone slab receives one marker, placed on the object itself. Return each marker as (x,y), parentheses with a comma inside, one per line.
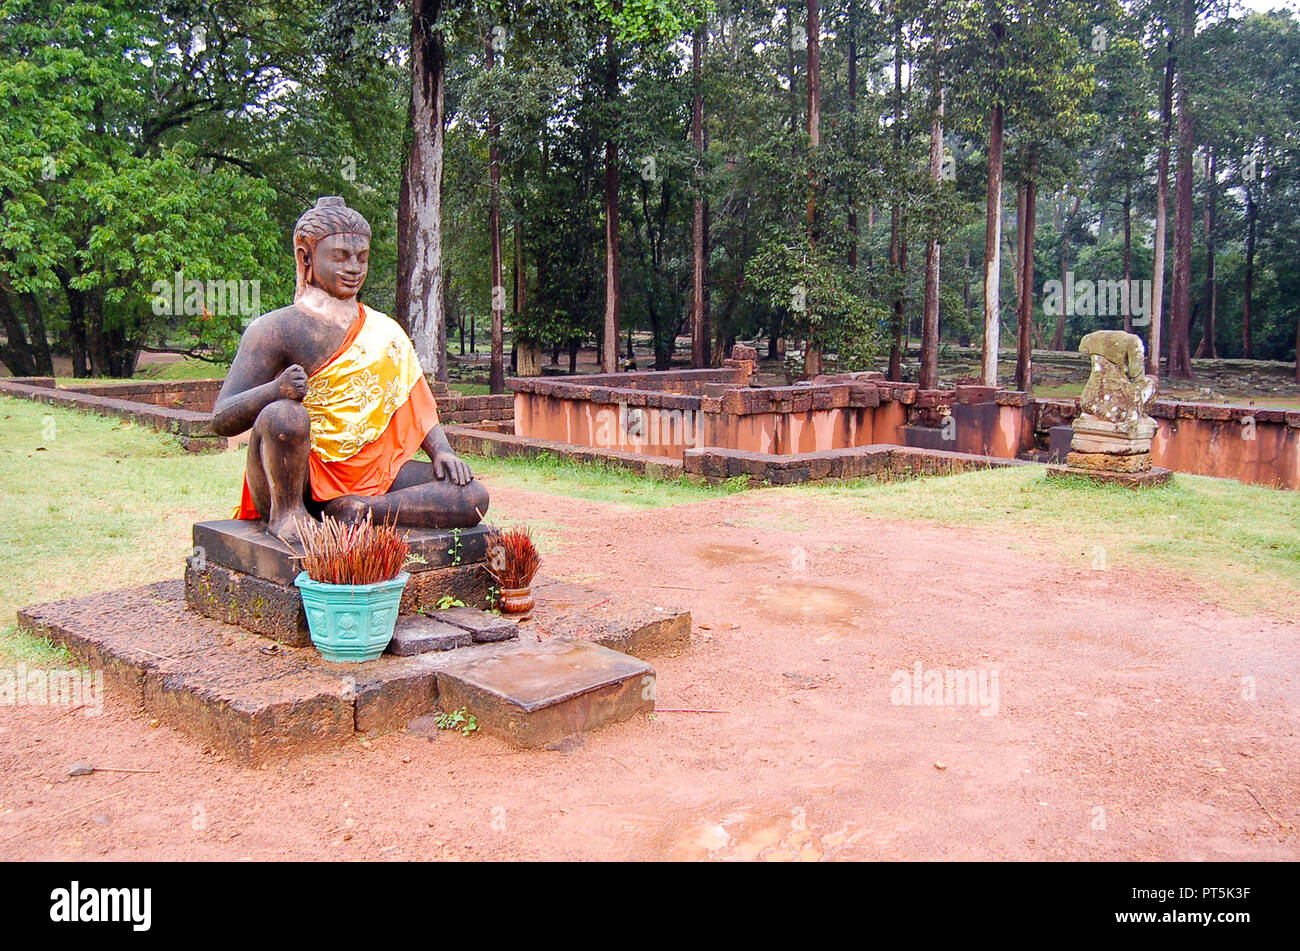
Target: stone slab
(1110,445)
(1110,462)
(257,700)
(630,625)
(1058,442)
(275,610)
(417,634)
(483,627)
(1103,436)
(214,681)
(1133,480)
(539,693)
(246,546)
(255,604)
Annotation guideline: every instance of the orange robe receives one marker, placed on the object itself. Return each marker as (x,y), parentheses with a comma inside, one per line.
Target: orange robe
(358,448)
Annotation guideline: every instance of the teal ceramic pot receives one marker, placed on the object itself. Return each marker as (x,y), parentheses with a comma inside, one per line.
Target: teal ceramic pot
(351,623)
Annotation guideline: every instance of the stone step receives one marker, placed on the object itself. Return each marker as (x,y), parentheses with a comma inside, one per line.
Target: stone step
(257,700)
(483,627)
(417,634)
(537,693)
(246,546)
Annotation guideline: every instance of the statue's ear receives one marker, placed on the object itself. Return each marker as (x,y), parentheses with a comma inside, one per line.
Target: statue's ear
(304,262)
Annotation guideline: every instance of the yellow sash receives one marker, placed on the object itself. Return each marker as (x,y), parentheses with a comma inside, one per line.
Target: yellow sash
(352,398)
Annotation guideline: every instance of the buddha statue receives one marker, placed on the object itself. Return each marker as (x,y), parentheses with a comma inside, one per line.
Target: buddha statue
(337,402)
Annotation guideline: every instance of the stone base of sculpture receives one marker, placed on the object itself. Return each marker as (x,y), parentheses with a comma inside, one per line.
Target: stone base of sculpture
(1112,434)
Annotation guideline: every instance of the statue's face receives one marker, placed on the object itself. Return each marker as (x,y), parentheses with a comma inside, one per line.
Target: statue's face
(339,264)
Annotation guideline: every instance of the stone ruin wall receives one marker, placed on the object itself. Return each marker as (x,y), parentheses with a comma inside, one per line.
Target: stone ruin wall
(663,414)
(845,411)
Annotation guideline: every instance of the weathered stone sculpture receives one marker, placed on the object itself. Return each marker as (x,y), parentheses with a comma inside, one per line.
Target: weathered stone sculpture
(337,401)
(1112,434)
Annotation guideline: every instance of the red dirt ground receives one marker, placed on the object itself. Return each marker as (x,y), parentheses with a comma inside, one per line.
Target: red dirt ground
(1122,729)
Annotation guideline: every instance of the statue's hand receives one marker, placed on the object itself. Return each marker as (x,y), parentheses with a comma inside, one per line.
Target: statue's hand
(447,465)
(293,383)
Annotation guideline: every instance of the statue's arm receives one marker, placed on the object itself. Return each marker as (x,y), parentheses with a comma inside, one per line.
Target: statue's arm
(446,464)
(256,378)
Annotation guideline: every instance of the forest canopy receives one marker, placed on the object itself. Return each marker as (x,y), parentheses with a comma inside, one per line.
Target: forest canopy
(841,175)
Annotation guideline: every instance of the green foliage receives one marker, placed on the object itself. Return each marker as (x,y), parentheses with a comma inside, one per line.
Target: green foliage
(460,721)
(143,140)
(821,298)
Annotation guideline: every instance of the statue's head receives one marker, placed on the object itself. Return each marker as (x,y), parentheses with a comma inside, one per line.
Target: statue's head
(331,249)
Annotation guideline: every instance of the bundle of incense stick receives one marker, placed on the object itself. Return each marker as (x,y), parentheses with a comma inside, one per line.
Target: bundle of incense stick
(513,558)
(361,553)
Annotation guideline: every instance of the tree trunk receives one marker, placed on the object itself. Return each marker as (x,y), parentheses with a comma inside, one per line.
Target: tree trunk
(496,375)
(1020,241)
(812,364)
(1128,254)
(609,348)
(420,302)
(520,273)
(993,252)
(16,353)
(1025,320)
(929,376)
(853,129)
(1252,215)
(1162,215)
(699,330)
(897,241)
(1208,347)
(1058,338)
(1180,311)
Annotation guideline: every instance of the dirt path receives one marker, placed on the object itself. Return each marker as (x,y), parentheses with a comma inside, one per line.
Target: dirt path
(1123,726)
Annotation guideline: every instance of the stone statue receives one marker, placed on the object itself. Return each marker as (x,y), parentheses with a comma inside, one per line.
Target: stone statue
(1118,390)
(1113,431)
(337,401)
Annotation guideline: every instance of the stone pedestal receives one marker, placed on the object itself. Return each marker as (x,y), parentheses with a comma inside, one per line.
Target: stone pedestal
(1092,435)
(240,574)
(1113,452)
(1111,440)
(567,672)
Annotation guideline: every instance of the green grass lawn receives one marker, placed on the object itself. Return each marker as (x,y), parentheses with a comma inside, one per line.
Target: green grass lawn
(89,503)
(1241,541)
(186,368)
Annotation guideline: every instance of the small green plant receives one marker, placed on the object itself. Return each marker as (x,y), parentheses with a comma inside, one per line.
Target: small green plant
(494,598)
(460,721)
(455,549)
(448,601)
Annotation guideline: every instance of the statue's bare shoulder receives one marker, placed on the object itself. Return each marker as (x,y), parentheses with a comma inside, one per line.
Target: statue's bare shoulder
(272,324)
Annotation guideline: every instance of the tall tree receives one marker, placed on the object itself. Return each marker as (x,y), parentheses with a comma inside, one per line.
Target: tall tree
(496,374)
(812,352)
(699,232)
(993,222)
(1180,311)
(1162,213)
(420,301)
(929,372)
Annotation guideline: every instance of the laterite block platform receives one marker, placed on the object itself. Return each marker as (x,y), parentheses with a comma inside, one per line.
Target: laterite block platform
(240,574)
(256,699)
